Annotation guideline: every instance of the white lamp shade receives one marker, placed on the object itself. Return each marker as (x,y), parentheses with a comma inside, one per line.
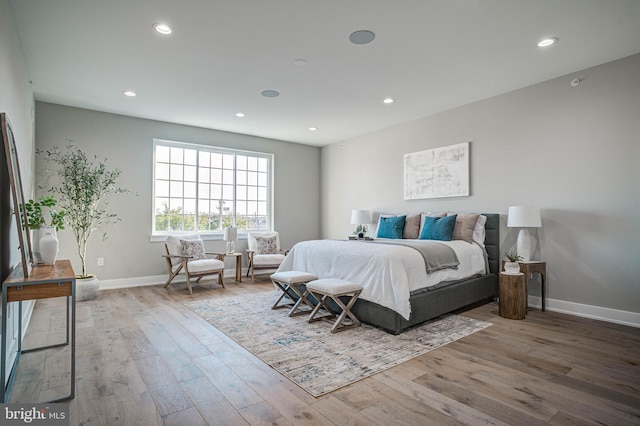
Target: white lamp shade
(524,217)
(231,233)
(360,217)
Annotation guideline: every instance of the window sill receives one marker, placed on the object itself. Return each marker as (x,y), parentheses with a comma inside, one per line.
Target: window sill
(205,237)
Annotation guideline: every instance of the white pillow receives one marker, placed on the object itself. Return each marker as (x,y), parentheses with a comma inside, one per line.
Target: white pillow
(193,248)
(479,231)
(266,245)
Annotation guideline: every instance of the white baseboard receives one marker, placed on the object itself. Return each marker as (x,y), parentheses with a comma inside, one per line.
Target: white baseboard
(151,280)
(587,311)
(631,319)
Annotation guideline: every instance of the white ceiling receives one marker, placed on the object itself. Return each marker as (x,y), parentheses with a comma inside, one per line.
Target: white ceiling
(429,55)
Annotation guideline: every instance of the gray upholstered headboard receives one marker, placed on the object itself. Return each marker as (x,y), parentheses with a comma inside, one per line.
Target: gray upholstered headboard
(492,241)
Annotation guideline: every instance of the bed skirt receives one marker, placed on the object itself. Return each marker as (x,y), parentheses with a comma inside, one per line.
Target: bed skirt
(427,305)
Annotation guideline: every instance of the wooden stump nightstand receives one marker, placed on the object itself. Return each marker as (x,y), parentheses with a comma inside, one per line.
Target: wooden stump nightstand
(528,268)
(513,296)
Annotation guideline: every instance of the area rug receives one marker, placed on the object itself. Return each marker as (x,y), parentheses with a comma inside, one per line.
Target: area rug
(313,358)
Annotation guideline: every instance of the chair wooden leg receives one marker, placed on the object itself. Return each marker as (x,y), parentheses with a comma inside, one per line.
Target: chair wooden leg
(189,284)
(220,279)
(171,277)
(249,267)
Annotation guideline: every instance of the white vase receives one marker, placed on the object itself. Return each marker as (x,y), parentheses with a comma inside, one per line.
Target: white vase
(87,288)
(511,267)
(36,246)
(48,245)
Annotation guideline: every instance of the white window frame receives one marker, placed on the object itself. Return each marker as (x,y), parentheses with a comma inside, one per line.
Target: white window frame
(160,235)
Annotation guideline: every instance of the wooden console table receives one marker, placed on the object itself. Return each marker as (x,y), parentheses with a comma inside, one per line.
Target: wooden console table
(45,281)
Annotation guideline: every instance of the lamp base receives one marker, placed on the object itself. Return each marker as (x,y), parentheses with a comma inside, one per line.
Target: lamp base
(523,244)
(231,247)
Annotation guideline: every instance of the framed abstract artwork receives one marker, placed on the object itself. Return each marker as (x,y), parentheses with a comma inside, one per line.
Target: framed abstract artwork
(437,173)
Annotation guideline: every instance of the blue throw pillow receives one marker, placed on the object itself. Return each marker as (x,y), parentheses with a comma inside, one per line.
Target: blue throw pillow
(391,227)
(438,228)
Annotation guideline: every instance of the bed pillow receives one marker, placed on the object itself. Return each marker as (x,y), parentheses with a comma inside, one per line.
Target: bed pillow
(465,224)
(412,226)
(193,248)
(266,245)
(428,214)
(479,233)
(380,216)
(438,228)
(391,227)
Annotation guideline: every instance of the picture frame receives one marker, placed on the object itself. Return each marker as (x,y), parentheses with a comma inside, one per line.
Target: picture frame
(437,173)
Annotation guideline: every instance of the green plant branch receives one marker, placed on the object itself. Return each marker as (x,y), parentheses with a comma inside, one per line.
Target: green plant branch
(84,187)
(34,213)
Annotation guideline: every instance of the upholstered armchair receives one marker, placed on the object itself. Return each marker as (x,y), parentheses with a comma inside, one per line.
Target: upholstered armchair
(264,251)
(186,256)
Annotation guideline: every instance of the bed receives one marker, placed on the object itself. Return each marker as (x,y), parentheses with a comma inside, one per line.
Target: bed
(397,294)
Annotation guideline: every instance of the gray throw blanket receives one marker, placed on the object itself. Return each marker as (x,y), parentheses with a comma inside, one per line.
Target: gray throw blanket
(436,255)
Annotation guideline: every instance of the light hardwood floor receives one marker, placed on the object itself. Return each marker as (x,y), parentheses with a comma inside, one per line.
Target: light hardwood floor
(143,358)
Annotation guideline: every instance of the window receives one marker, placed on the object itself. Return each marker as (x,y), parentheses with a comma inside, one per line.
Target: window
(205,189)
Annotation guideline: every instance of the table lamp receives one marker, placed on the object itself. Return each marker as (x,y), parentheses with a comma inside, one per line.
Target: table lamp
(230,235)
(524,217)
(360,218)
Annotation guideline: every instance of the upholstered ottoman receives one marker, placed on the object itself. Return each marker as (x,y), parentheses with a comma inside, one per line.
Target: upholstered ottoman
(334,288)
(290,280)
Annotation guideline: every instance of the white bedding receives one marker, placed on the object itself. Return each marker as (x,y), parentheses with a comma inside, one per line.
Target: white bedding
(388,273)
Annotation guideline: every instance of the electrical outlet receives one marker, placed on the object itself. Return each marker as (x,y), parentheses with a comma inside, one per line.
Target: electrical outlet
(101,261)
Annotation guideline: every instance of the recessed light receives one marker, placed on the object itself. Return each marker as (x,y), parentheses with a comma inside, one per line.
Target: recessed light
(240,114)
(313,129)
(270,93)
(300,62)
(129,93)
(389,100)
(546,42)
(362,37)
(163,28)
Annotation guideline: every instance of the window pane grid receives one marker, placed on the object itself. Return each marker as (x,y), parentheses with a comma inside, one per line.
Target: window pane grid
(204,189)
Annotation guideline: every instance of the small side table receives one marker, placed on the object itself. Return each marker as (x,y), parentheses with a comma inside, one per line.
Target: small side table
(530,267)
(513,296)
(221,255)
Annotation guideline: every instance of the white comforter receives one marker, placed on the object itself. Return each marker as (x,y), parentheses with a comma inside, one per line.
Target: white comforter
(388,273)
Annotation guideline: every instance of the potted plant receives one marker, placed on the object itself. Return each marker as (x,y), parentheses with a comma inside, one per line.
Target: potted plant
(45,235)
(84,189)
(512,266)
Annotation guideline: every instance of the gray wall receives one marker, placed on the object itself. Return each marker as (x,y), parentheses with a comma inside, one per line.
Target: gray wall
(16,99)
(572,151)
(128,145)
